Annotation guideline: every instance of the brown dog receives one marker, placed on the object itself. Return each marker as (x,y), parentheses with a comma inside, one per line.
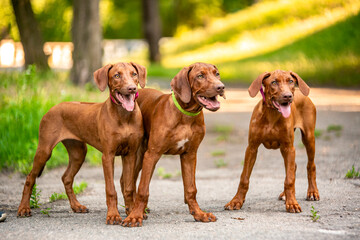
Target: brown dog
(114,127)
(176,130)
(272,124)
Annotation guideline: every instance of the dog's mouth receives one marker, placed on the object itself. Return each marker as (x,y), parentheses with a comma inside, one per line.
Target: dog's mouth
(284,108)
(126,101)
(210,103)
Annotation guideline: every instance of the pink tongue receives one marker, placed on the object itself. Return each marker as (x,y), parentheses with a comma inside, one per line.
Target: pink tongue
(129,103)
(213,104)
(285,110)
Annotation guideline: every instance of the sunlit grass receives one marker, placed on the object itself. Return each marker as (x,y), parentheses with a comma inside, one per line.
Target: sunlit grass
(24,99)
(265,38)
(265,13)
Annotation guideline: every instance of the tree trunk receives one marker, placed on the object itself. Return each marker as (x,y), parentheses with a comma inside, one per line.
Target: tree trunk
(86,37)
(30,34)
(152,27)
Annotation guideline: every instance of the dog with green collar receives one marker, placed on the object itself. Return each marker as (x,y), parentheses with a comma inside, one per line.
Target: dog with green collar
(174,125)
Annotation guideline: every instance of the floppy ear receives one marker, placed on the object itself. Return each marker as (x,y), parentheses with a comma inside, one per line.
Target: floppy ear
(141,71)
(180,84)
(215,67)
(256,84)
(101,77)
(304,88)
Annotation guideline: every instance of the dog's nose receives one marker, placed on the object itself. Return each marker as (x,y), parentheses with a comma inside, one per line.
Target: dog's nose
(132,89)
(287,96)
(220,88)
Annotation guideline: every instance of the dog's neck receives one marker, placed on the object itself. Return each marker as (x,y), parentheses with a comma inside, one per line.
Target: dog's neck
(269,112)
(191,107)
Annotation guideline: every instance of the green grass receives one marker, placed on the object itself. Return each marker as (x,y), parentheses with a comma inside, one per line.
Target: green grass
(318,39)
(223,132)
(318,133)
(258,16)
(24,99)
(220,163)
(57,196)
(352,173)
(218,153)
(46,211)
(35,197)
(223,129)
(314,214)
(163,174)
(334,128)
(328,57)
(77,190)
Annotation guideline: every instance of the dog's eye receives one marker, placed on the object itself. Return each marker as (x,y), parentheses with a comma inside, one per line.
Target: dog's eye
(200,76)
(117,75)
(217,74)
(291,81)
(273,82)
(134,74)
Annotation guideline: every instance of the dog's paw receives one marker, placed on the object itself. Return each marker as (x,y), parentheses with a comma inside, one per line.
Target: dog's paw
(234,204)
(313,196)
(24,212)
(293,208)
(132,221)
(204,217)
(113,218)
(80,209)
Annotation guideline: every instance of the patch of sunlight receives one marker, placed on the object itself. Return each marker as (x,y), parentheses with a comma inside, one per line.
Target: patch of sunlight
(249,70)
(262,40)
(184,36)
(262,13)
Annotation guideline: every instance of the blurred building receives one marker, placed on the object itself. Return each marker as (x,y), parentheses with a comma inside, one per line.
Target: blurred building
(60,53)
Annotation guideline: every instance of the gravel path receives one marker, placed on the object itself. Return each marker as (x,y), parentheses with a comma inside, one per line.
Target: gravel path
(264,217)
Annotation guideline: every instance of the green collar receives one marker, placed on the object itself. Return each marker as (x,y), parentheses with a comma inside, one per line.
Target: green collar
(180,108)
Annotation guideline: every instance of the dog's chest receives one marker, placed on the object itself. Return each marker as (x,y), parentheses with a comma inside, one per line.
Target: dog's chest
(273,137)
(181,139)
(126,139)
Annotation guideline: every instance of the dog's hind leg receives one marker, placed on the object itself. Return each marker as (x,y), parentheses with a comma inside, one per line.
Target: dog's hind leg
(42,155)
(308,139)
(77,152)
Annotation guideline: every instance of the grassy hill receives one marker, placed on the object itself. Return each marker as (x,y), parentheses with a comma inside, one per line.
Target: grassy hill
(319,39)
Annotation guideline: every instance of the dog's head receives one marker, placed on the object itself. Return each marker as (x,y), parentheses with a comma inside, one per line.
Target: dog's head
(279,89)
(200,82)
(122,79)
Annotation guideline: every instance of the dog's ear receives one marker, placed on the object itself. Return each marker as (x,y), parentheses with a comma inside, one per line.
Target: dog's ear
(101,77)
(304,88)
(256,84)
(215,67)
(181,86)
(141,71)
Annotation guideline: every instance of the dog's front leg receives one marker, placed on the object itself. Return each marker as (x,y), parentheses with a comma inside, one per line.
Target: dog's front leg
(137,214)
(239,198)
(188,167)
(288,153)
(127,183)
(113,216)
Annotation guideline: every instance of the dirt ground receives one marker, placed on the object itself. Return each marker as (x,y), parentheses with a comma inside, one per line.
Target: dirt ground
(264,217)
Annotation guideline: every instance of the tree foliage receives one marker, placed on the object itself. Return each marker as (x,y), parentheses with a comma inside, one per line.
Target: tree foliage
(121,19)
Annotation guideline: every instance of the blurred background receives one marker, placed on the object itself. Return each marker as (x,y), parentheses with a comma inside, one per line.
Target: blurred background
(319,39)
(49,50)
